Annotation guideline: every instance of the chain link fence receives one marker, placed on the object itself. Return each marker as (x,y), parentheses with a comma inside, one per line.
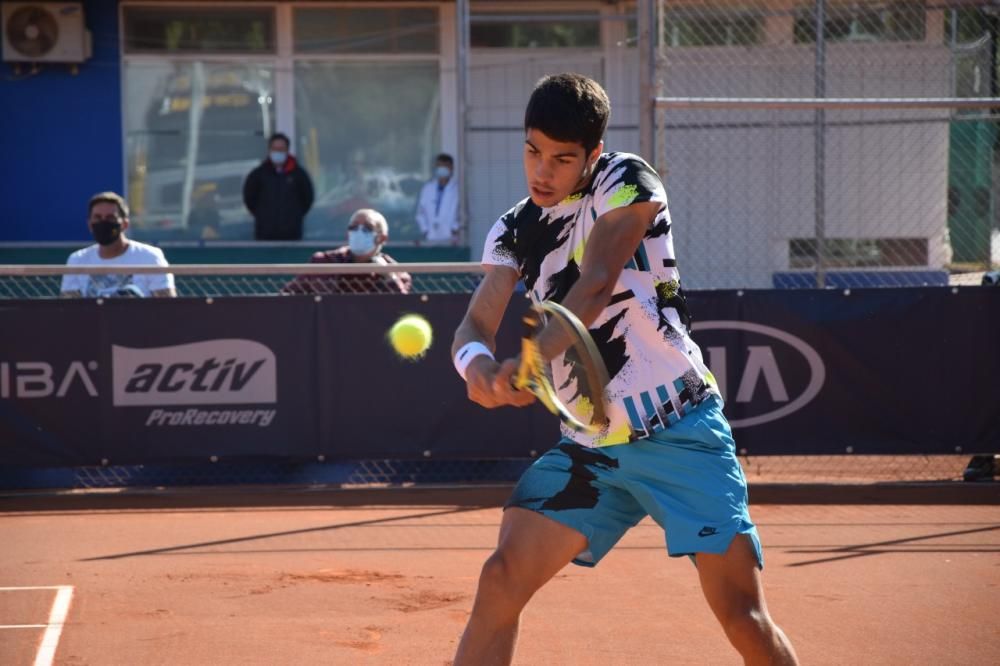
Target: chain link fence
(795,470)
(863,153)
(215,281)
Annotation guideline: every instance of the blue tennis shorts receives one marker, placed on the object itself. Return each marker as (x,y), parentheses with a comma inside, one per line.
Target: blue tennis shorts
(686,477)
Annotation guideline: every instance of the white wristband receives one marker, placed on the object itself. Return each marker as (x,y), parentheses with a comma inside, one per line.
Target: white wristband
(469,351)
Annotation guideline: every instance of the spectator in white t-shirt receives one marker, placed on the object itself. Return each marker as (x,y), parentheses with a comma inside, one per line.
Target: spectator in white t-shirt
(108,219)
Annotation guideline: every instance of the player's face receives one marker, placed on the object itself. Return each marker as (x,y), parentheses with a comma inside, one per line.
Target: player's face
(555,169)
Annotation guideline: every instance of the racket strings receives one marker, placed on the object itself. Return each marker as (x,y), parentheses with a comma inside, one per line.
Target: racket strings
(582,375)
(580,385)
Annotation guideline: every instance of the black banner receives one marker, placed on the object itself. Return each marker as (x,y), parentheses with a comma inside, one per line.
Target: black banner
(377,405)
(873,371)
(131,381)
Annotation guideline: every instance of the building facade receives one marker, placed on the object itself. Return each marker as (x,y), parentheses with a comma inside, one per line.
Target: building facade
(177,98)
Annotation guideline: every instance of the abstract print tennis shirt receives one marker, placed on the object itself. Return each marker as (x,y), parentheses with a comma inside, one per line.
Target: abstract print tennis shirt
(656,370)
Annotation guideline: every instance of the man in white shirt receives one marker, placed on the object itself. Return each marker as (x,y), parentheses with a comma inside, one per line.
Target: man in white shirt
(437,209)
(107,220)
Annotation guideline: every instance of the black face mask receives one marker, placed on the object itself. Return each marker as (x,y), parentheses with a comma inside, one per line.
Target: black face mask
(106,232)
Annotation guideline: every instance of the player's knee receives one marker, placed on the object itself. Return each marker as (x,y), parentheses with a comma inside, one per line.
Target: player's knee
(747,624)
(496,575)
(499,580)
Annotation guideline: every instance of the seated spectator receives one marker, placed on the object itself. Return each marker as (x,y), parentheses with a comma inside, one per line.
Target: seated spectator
(367,233)
(107,219)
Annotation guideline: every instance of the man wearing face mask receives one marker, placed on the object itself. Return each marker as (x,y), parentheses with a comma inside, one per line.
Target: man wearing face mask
(278,193)
(437,209)
(367,233)
(107,219)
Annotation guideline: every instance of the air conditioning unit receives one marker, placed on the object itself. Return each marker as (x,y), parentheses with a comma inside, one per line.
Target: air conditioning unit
(44,32)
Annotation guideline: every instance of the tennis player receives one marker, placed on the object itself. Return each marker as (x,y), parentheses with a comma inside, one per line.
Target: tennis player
(595,235)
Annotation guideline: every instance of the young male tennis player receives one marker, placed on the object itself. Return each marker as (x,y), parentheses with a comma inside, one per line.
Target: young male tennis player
(594,235)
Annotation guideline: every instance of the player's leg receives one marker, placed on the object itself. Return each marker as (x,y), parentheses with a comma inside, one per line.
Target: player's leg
(568,492)
(691,483)
(732,585)
(531,549)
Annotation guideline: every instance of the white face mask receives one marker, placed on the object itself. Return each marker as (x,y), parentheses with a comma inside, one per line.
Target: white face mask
(442,172)
(278,156)
(361,241)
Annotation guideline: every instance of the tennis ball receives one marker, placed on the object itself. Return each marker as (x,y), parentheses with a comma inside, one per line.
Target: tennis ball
(411,336)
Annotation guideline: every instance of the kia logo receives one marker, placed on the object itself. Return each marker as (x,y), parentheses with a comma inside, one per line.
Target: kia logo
(761,371)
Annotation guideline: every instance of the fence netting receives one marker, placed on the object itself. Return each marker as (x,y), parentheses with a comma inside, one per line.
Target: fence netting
(832,470)
(220,281)
(854,154)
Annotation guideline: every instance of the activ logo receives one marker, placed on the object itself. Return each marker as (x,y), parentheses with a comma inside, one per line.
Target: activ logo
(773,372)
(212,372)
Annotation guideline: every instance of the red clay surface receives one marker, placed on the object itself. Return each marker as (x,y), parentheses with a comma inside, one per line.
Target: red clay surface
(347,583)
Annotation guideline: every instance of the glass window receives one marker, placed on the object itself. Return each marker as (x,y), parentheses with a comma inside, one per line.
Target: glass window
(368,134)
(686,29)
(366,30)
(198,30)
(859,252)
(193,132)
(582,32)
(897,21)
(975,53)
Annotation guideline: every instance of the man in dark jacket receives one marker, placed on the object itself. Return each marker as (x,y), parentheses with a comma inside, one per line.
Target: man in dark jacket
(278,193)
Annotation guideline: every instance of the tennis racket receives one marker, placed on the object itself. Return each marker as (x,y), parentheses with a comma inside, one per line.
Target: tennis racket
(583,370)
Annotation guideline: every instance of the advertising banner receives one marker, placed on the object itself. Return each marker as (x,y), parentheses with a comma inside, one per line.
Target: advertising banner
(374,404)
(878,371)
(873,371)
(130,381)
(51,376)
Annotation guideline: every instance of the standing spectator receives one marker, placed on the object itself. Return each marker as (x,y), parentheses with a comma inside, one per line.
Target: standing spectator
(278,193)
(367,233)
(107,219)
(437,209)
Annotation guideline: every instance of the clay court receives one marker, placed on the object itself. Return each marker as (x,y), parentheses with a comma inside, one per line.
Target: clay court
(387,577)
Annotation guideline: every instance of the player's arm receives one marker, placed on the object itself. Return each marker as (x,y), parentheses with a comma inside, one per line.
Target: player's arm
(486,384)
(611,244)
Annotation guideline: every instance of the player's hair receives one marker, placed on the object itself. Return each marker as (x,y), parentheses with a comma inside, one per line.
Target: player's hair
(569,108)
(376,218)
(108,197)
(446,158)
(282,136)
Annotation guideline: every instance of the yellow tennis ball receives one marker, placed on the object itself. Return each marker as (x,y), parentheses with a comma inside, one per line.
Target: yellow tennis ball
(411,336)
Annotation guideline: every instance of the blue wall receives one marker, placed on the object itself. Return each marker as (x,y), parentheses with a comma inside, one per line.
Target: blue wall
(61,137)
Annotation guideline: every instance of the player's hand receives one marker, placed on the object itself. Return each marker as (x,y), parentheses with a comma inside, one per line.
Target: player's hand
(489,384)
(503,384)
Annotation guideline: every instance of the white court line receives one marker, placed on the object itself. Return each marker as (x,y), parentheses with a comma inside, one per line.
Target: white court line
(57,616)
(22,626)
(35,587)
